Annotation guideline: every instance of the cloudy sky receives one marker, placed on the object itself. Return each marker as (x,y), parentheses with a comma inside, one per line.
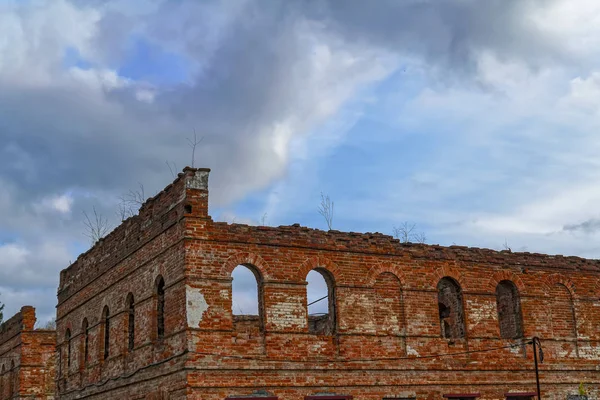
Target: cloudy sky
(476,120)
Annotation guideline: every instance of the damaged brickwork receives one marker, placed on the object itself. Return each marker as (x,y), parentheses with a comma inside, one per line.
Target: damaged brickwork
(27,358)
(393,310)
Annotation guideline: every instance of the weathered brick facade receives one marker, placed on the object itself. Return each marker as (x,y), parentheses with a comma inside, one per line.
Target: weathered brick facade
(152,304)
(27,358)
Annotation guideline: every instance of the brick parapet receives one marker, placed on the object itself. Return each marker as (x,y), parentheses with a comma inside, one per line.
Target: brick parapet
(386,311)
(297,236)
(156,213)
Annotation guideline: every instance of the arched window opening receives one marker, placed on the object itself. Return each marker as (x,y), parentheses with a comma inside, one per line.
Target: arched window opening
(68,349)
(562,312)
(2,378)
(130,322)
(450,307)
(245,291)
(85,344)
(246,299)
(388,304)
(160,308)
(320,295)
(509,310)
(106,323)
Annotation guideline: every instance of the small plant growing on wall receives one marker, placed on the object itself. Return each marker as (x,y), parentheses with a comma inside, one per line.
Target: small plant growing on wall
(581,393)
(582,390)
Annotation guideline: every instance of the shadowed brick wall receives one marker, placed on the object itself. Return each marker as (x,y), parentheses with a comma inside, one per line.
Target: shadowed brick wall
(386,335)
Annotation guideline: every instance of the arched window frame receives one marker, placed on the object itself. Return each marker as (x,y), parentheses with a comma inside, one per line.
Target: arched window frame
(571,320)
(382,283)
(514,313)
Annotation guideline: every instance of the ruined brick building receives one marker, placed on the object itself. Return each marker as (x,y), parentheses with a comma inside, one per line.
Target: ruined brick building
(27,358)
(147,314)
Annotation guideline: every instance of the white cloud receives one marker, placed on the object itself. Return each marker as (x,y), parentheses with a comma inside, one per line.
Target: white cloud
(58,203)
(514,84)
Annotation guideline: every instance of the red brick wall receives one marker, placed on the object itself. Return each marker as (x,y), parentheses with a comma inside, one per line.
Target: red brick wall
(128,262)
(386,331)
(27,358)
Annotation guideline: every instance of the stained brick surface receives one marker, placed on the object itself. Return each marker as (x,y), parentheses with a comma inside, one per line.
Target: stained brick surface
(387,329)
(27,358)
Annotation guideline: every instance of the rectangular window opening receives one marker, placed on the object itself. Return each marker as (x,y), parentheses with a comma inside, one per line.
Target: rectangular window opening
(461,396)
(252,397)
(520,395)
(327,397)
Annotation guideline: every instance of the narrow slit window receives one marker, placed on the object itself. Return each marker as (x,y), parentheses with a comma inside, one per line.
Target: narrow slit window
(160,308)
(106,323)
(68,349)
(86,342)
(130,322)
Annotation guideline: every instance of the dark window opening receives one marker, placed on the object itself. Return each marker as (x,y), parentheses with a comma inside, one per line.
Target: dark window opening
(450,307)
(188,208)
(509,310)
(320,294)
(462,396)
(399,398)
(258,394)
(520,395)
(106,322)
(130,322)
(160,308)
(86,341)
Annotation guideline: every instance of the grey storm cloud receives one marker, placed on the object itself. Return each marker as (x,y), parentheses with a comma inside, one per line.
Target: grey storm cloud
(588,227)
(259,74)
(447,33)
(247,88)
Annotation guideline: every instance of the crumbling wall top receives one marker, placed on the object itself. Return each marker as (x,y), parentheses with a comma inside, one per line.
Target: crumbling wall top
(22,321)
(378,243)
(154,216)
